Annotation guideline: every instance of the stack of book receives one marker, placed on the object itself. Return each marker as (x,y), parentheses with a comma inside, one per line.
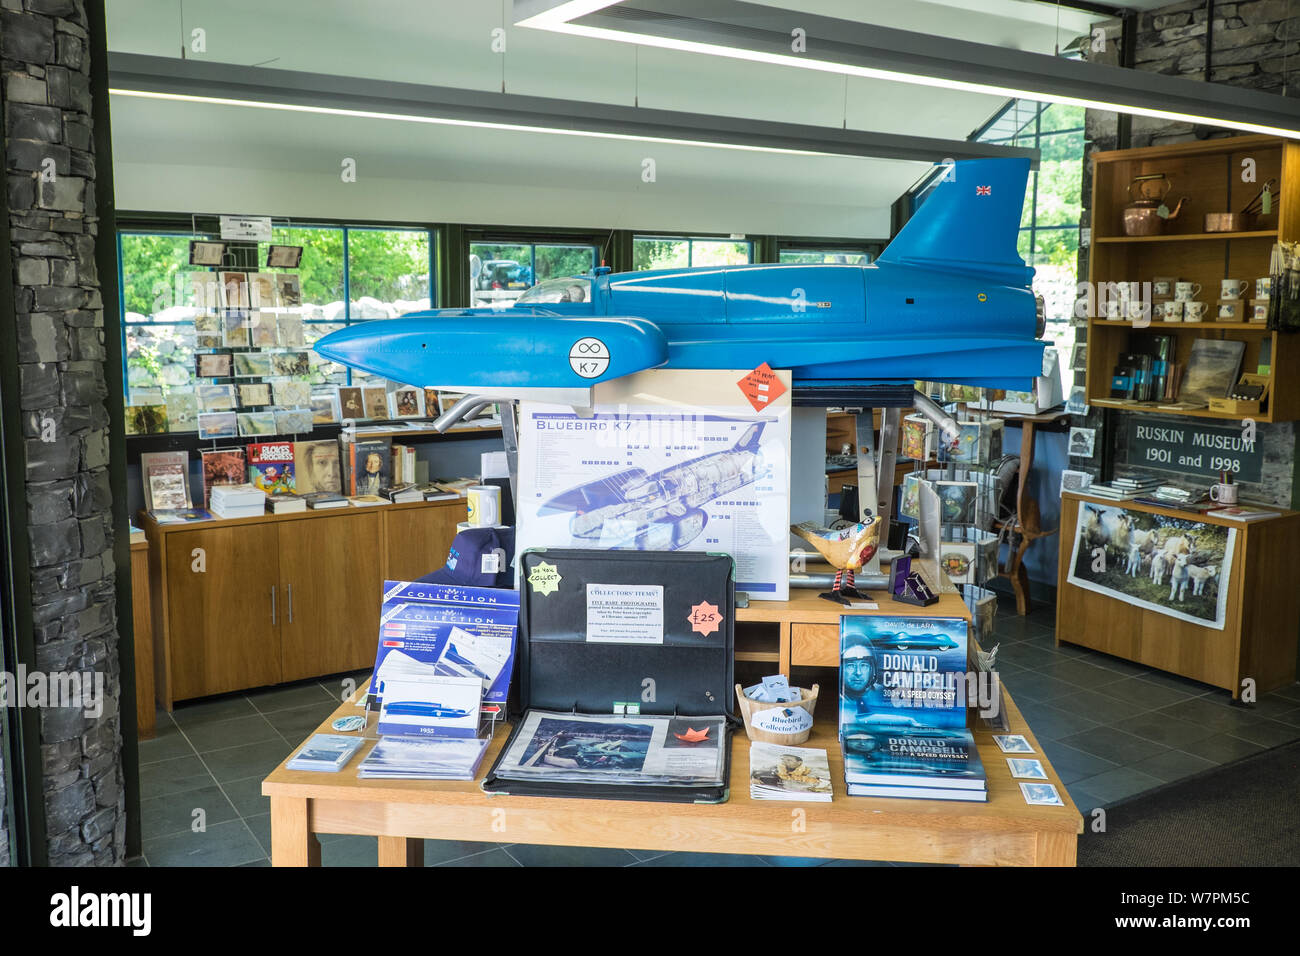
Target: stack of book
(1138,483)
(400,494)
(1111,491)
(328,753)
(423,758)
(285,503)
(325,499)
(902,719)
(238,501)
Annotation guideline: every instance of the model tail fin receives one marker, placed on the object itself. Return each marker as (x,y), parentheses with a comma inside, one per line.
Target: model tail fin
(970,223)
(750,440)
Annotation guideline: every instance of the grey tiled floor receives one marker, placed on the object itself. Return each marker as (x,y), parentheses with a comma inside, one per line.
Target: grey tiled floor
(1111,729)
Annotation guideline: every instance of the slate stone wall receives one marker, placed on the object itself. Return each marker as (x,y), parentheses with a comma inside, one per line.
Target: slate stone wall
(49,165)
(1254,44)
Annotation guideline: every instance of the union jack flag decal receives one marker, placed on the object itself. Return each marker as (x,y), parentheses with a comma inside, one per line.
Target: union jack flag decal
(983,190)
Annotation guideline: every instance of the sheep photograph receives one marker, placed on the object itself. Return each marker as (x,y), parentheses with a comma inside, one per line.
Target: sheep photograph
(1176,566)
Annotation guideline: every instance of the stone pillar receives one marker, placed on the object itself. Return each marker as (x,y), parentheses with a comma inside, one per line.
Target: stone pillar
(49,165)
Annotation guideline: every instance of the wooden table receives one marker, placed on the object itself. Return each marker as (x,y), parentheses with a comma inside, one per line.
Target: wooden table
(403,813)
(809,625)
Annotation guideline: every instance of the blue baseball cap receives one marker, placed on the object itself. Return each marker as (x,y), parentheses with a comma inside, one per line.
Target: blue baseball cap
(478,558)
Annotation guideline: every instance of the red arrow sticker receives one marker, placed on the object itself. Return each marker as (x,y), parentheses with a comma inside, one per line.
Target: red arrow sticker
(761,387)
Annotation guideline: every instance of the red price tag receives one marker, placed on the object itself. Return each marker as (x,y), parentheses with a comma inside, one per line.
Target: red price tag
(761,387)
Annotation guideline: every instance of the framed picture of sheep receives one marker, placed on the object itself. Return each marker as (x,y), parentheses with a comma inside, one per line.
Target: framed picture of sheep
(1176,566)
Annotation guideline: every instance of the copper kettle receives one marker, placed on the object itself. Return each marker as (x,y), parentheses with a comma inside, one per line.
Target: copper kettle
(1147,212)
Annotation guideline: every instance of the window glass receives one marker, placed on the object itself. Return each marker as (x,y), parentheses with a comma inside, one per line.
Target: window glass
(660,253)
(708,252)
(166,321)
(388,272)
(502,272)
(813,256)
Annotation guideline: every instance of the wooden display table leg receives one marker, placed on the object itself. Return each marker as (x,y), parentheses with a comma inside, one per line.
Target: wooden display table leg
(1057,849)
(401,851)
(292,842)
(783,661)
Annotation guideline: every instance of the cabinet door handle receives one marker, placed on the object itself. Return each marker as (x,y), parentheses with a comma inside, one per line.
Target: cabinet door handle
(272,605)
(290,603)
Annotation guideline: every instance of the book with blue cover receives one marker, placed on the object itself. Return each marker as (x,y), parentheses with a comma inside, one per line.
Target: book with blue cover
(902,717)
(913,667)
(441,630)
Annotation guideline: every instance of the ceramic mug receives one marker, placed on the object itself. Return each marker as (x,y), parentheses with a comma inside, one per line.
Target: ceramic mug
(1186,291)
(1233,288)
(1194,311)
(1171,311)
(1163,285)
(1259,312)
(1224,494)
(1263,287)
(1138,311)
(1113,310)
(1230,311)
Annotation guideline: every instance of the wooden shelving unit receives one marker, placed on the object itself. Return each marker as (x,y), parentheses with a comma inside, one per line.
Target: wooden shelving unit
(1209,174)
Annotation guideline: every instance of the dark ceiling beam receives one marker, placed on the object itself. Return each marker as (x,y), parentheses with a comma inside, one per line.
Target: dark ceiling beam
(206,80)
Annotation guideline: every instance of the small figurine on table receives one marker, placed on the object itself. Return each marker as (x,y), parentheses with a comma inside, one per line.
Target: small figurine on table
(846,550)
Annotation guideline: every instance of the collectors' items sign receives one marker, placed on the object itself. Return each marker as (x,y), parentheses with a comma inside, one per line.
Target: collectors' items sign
(1175,566)
(669,461)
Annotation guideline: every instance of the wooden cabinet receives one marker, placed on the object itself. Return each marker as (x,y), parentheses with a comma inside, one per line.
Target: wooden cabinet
(1261,615)
(248,602)
(417,542)
(330,619)
(223,604)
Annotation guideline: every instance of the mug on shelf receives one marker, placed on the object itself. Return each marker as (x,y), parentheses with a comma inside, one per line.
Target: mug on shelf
(1113,310)
(1195,311)
(1171,311)
(1186,291)
(1138,311)
(1223,493)
(1233,288)
(1230,311)
(1263,287)
(1163,286)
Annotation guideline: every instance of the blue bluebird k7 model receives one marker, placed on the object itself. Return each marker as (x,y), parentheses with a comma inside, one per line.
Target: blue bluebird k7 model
(949,300)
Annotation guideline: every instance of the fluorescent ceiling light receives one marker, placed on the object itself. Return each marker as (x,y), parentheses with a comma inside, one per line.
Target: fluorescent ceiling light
(442,121)
(745,31)
(295,91)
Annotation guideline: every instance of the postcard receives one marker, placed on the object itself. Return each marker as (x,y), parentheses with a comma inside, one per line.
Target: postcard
(1012,744)
(292,394)
(290,363)
(1041,795)
(262,329)
(255,394)
(252,364)
(293,421)
(376,400)
(1027,769)
(256,423)
(236,329)
(216,398)
(324,409)
(218,425)
(261,290)
(234,290)
(212,365)
(291,334)
(350,402)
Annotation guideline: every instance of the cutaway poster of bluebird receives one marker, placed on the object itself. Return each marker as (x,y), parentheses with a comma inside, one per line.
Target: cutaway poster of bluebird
(647,472)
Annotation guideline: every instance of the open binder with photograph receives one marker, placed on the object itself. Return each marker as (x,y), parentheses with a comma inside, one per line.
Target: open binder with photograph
(624,663)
